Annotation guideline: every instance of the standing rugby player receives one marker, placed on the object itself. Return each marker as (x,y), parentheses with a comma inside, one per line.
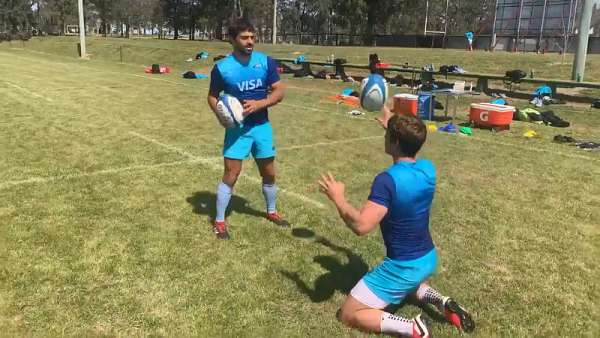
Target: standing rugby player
(252,78)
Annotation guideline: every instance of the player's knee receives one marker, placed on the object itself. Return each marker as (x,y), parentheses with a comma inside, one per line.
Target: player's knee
(346,317)
(268,178)
(231,175)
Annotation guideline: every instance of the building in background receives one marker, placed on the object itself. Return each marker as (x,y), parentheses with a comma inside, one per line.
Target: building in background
(535,25)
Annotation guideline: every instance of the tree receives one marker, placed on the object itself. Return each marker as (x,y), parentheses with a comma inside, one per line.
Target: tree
(16,17)
(104,8)
(378,12)
(64,10)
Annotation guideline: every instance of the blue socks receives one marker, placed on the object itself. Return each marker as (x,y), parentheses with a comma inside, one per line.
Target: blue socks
(223,197)
(270,193)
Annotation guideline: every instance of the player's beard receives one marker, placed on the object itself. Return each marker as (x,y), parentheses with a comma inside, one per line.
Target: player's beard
(246,50)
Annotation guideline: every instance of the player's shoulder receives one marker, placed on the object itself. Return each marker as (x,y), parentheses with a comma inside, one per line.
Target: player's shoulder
(424,163)
(226,62)
(383,177)
(405,170)
(427,168)
(260,56)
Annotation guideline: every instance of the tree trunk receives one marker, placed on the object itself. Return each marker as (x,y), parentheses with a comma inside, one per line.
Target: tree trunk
(192,20)
(219,29)
(371,19)
(176,21)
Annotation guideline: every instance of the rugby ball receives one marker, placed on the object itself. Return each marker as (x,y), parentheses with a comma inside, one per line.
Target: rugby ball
(373,92)
(229,111)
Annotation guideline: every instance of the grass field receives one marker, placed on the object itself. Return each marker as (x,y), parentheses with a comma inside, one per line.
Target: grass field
(107,184)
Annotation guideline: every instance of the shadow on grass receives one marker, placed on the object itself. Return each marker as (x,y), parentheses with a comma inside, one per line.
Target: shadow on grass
(204,203)
(340,277)
(343,277)
(303,233)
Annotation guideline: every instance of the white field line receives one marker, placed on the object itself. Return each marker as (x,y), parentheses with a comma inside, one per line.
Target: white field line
(210,162)
(132,64)
(169,147)
(323,110)
(93,173)
(185,84)
(334,111)
(27,91)
(474,138)
(192,159)
(70,65)
(325,144)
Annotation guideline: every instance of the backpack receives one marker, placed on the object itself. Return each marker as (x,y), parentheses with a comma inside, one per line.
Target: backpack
(543,91)
(189,75)
(516,75)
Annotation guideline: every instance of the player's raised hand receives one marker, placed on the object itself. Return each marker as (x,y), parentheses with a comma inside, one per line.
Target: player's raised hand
(332,188)
(386,114)
(250,106)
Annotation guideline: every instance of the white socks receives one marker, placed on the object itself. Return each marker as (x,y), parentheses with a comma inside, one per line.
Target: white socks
(392,324)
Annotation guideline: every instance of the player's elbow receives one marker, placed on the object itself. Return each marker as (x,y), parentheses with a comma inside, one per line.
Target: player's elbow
(362,228)
(360,232)
(278,93)
(279,97)
(212,101)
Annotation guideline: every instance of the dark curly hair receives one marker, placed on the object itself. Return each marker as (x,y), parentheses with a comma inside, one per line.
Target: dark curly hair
(238,26)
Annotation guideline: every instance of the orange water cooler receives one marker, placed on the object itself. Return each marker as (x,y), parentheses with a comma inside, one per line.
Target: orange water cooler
(489,115)
(406,104)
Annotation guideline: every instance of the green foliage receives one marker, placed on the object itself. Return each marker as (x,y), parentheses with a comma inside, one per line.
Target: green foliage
(15,17)
(361,18)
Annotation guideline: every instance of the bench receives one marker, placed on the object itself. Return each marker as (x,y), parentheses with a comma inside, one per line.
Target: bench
(481,78)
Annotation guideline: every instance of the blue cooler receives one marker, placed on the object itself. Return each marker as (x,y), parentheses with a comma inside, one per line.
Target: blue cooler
(425,106)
